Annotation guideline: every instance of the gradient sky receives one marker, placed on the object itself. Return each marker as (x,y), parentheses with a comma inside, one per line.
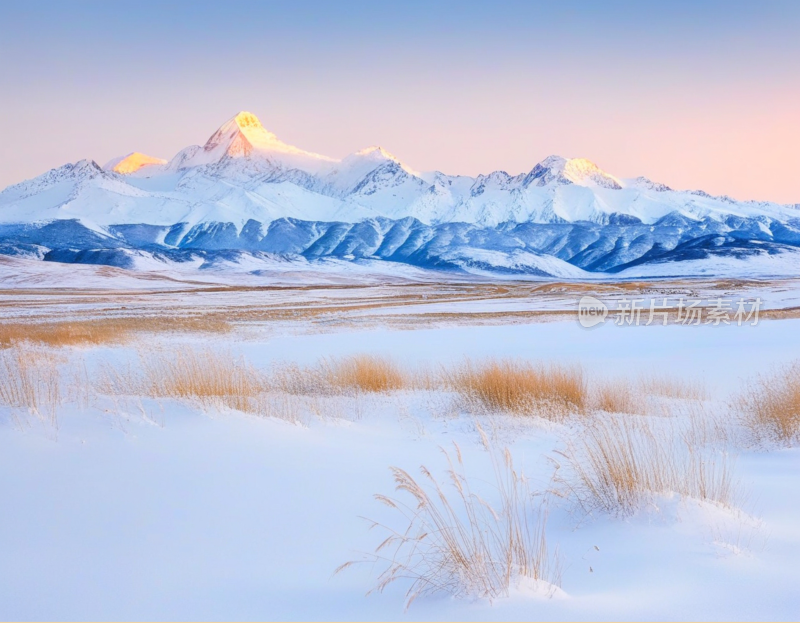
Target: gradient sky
(692,94)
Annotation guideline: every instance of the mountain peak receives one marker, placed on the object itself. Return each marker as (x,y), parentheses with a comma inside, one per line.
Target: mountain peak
(244,136)
(580,171)
(239,135)
(583,171)
(246,119)
(132,163)
(249,125)
(376,151)
(554,163)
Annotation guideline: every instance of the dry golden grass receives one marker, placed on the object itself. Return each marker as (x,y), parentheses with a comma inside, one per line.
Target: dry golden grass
(104,330)
(705,426)
(617,396)
(204,375)
(211,378)
(770,406)
(520,387)
(338,377)
(454,541)
(62,333)
(296,380)
(426,378)
(30,380)
(626,396)
(364,373)
(617,464)
(330,389)
(673,387)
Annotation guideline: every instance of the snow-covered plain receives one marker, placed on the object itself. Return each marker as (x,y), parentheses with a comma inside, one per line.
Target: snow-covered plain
(165,509)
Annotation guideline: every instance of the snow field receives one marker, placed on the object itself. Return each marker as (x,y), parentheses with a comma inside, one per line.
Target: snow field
(217,478)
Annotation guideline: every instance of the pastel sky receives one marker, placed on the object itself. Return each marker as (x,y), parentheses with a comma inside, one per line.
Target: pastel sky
(692,94)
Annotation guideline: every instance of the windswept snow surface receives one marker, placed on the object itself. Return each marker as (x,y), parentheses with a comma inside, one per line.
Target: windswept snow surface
(162,511)
(759,265)
(246,270)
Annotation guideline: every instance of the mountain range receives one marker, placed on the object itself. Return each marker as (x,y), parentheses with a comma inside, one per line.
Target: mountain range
(247,198)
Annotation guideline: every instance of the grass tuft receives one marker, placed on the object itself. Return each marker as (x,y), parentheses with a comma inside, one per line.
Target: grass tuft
(520,388)
(364,373)
(770,406)
(617,396)
(453,540)
(617,464)
(104,330)
(211,378)
(30,380)
(673,387)
(204,375)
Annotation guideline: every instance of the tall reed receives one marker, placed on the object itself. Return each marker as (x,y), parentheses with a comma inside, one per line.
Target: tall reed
(770,406)
(461,538)
(30,380)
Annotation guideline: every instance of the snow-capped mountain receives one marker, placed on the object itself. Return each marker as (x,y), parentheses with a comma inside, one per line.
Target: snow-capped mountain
(246,191)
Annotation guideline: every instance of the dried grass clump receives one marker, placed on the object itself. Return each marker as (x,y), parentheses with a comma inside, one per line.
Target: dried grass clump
(672,387)
(619,463)
(454,541)
(214,379)
(208,376)
(707,426)
(364,373)
(55,334)
(770,406)
(618,396)
(297,380)
(30,380)
(104,330)
(520,387)
(426,378)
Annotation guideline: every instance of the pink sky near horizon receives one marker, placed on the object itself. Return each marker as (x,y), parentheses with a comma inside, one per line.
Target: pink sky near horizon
(721,115)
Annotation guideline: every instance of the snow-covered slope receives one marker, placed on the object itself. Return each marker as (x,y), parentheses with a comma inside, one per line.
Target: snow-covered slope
(245,189)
